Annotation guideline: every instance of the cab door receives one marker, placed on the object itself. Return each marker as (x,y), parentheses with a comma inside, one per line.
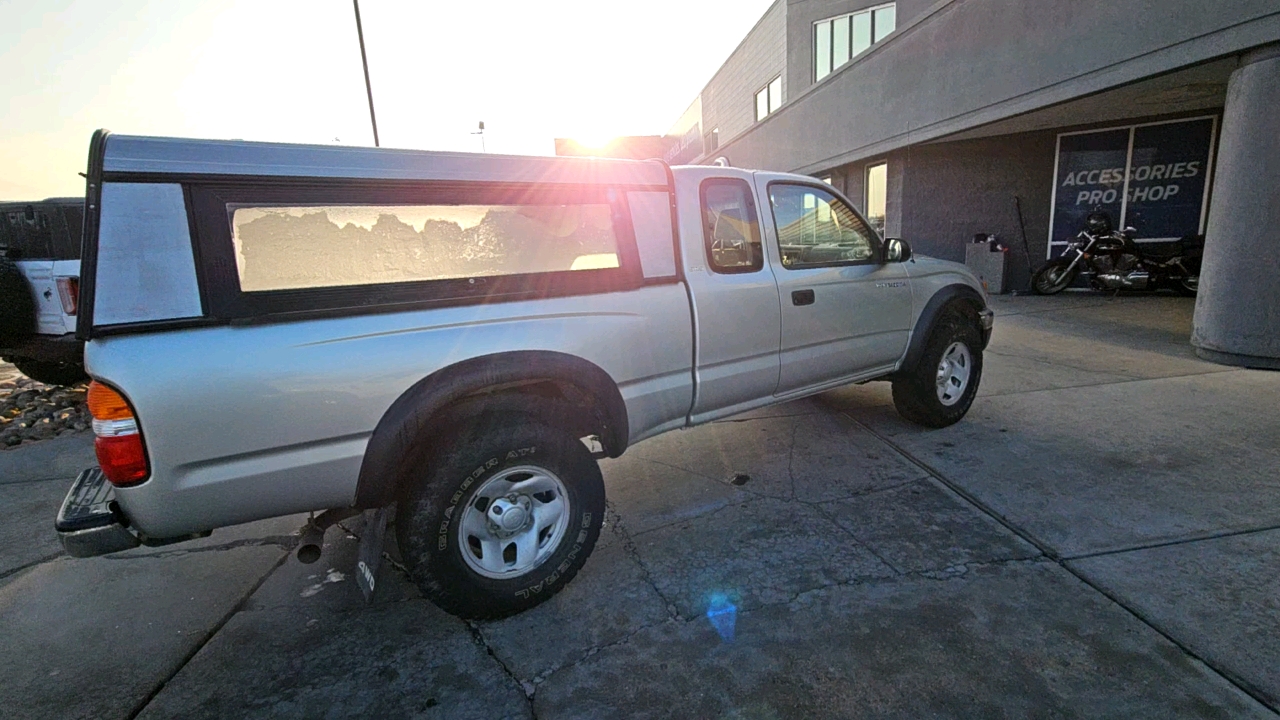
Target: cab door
(845,312)
(734,293)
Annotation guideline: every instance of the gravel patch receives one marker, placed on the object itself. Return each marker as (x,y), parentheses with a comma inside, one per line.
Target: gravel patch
(31,411)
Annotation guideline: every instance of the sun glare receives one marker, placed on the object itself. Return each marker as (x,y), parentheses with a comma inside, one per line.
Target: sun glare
(594,141)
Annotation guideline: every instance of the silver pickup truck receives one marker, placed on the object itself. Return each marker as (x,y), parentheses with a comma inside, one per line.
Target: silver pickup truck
(275,329)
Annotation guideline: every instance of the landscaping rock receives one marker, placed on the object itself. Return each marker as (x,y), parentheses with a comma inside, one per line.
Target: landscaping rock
(31,411)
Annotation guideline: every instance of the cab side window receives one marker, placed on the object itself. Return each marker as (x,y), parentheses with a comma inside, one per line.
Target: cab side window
(729,226)
(816,229)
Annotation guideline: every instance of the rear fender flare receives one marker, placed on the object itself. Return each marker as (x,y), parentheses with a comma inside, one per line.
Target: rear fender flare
(414,415)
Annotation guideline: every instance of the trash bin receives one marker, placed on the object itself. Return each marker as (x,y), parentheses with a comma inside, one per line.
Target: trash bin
(989,260)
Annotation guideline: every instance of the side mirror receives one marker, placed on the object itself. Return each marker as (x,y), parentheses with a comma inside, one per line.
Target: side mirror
(896,250)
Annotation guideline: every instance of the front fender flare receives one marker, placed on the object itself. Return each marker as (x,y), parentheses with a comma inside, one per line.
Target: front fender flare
(957,292)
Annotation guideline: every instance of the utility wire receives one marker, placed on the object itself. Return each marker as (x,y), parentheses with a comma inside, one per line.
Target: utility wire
(368,88)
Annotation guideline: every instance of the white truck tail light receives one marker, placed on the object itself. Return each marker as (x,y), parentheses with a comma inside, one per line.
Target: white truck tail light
(69,293)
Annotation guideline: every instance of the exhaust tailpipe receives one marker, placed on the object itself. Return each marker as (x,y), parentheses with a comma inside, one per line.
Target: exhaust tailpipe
(311,536)
(310,542)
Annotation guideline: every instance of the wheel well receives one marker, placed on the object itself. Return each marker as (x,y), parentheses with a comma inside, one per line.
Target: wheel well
(951,296)
(971,306)
(562,389)
(557,402)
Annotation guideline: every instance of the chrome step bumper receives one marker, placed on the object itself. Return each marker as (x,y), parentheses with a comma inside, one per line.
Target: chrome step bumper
(89,522)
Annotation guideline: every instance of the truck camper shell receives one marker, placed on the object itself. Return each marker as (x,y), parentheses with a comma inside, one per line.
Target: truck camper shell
(177,265)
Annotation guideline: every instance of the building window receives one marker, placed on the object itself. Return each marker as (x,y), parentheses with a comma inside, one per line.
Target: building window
(712,141)
(838,40)
(877,194)
(769,98)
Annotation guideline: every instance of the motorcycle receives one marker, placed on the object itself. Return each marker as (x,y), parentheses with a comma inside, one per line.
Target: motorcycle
(1111,260)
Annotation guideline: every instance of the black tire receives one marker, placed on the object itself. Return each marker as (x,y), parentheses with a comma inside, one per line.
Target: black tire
(17,308)
(1187,286)
(915,391)
(51,373)
(457,468)
(1045,282)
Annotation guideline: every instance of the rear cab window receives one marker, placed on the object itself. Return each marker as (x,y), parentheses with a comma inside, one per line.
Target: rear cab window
(730,230)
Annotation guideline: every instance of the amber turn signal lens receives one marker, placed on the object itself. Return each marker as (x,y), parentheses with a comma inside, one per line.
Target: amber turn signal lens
(107,404)
(121,452)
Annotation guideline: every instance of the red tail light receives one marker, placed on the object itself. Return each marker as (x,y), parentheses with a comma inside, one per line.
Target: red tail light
(69,294)
(118,442)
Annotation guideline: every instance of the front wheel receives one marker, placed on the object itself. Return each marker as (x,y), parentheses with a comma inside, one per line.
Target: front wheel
(1053,278)
(939,390)
(504,515)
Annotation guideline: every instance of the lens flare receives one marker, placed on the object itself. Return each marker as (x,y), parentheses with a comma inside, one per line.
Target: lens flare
(723,616)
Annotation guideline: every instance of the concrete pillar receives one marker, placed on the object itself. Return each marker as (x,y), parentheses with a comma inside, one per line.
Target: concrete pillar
(1237,319)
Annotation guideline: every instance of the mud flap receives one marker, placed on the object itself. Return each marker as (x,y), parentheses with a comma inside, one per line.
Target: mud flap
(369,556)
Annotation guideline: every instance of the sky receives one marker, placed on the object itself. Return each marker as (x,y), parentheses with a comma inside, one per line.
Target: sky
(289,70)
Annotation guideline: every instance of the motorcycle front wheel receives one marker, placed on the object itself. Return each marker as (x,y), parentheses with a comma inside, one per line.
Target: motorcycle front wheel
(1053,278)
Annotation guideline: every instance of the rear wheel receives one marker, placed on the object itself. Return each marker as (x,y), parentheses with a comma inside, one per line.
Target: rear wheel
(1053,278)
(503,516)
(939,390)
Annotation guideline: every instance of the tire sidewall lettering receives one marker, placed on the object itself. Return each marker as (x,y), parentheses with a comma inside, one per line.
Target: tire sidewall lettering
(564,564)
(442,540)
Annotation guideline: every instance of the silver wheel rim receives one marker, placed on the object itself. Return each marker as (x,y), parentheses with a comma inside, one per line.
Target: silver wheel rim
(1191,283)
(513,522)
(953,373)
(1053,278)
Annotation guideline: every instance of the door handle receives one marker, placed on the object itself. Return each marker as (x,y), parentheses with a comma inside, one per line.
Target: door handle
(802,297)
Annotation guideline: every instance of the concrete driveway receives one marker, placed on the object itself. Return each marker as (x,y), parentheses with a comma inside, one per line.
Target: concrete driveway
(1100,537)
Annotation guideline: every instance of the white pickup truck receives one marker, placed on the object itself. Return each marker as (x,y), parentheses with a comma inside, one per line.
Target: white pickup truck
(39,276)
(275,329)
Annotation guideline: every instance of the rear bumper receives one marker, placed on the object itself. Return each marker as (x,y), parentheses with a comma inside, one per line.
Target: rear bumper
(89,522)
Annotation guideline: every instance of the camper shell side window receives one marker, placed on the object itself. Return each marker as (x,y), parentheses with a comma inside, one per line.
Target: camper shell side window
(333,248)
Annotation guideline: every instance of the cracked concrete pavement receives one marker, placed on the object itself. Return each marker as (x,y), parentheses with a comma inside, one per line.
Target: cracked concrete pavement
(1099,538)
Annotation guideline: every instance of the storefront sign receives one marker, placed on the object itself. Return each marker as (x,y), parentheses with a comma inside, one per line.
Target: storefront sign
(1154,178)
